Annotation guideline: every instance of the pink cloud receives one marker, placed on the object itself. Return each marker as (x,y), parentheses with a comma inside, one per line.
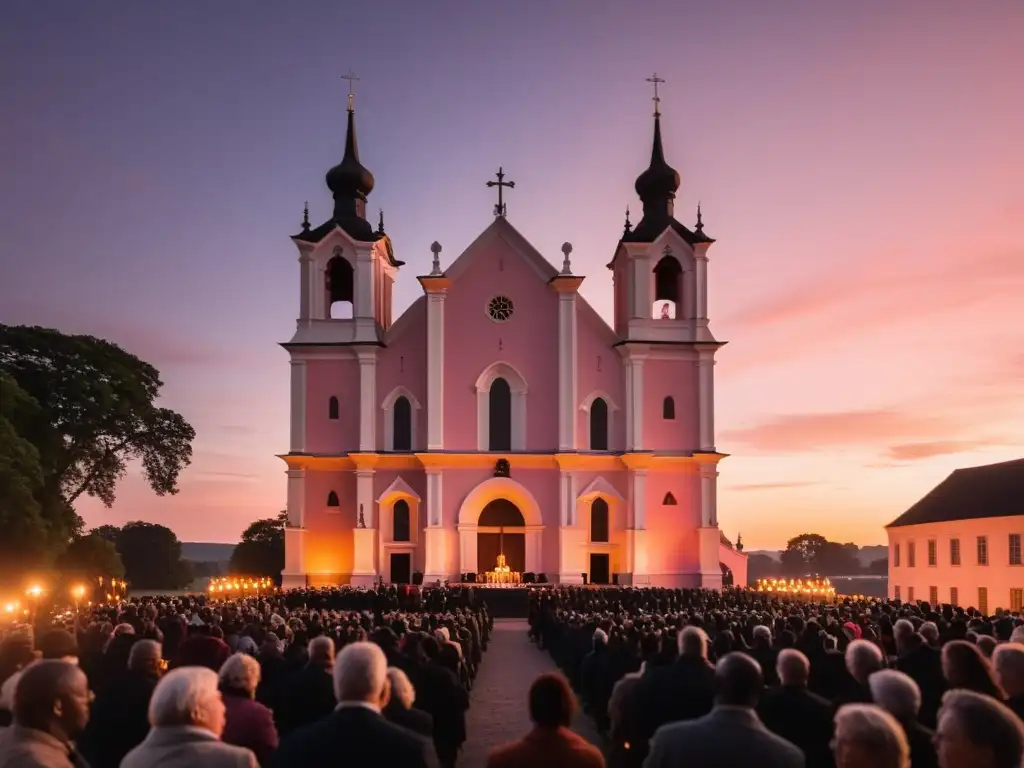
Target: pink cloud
(770,486)
(927,450)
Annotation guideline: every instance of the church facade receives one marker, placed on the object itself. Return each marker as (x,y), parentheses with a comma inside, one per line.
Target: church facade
(500,414)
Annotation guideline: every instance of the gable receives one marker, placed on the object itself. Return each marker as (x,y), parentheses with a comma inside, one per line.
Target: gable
(495,242)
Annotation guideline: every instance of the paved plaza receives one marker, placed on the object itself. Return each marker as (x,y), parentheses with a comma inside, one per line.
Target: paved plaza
(499,709)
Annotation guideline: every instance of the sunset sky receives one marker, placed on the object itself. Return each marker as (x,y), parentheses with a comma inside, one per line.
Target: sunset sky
(860,164)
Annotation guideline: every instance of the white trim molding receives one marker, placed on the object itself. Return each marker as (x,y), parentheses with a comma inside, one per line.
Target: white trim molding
(567,371)
(298,414)
(517,384)
(435,371)
(388,406)
(600,487)
(398,489)
(612,418)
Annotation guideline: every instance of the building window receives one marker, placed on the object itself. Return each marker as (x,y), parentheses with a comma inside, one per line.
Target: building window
(401,439)
(895,555)
(1014,549)
(400,521)
(983,600)
(933,596)
(599,425)
(332,499)
(911,555)
(599,520)
(954,596)
(669,500)
(668,409)
(933,552)
(332,408)
(954,551)
(500,404)
(896,591)
(1016,599)
(983,550)
(910,594)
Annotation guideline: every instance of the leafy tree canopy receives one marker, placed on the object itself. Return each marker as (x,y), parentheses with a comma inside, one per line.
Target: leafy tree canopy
(261,550)
(89,557)
(152,557)
(810,553)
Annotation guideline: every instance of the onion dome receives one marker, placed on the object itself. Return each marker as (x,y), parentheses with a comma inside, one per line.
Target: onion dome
(350,182)
(658,184)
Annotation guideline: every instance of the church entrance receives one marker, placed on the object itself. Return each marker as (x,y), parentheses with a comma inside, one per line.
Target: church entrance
(501,531)
(600,568)
(401,567)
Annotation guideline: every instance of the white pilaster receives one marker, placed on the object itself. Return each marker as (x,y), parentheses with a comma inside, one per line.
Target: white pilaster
(641,300)
(638,497)
(567,371)
(567,498)
(700,260)
(364,497)
(298,411)
(307,270)
(365,279)
(434,516)
(435,371)
(367,399)
(297,498)
(634,403)
(708,496)
(706,399)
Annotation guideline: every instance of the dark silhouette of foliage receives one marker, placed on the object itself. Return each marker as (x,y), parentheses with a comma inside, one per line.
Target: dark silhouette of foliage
(89,557)
(261,550)
(152,557)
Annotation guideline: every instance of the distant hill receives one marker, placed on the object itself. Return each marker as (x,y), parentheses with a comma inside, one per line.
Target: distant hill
(866,555)
(205,552)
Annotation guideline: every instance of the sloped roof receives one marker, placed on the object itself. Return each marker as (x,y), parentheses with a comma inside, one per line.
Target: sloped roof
(993,490)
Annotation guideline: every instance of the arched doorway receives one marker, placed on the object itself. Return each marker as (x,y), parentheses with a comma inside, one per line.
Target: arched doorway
(501,530)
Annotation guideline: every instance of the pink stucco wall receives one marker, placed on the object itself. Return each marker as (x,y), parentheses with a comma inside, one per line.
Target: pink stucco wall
(599,368)
(675,378)
(672,543)
(325,378)
(998,577)
(528,342)
(329,550)
(404,362)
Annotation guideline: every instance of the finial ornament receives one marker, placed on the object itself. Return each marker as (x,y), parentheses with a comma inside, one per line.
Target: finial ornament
(305,217)
(435,248)
(380,223)
(655,81)
(566,250)
(499,209)
(351,77)
(629,227)
(700,222)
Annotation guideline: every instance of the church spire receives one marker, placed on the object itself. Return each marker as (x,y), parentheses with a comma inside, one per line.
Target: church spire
(350,182)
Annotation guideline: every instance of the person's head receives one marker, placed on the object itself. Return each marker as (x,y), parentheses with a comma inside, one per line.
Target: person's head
(240,673)
(930,632)
(738,680)
(401,687)
(321,652)
(868,735)
(53,696)
(551,700)
(763,634)
(987,645)
(976,731)
(863,658)
(59,644)
(144,657)
(964,666)
(902,632)
(1008,662)
(188,696)
(361,674)
(693,641)
(792,667)
(600,639)
(896,693)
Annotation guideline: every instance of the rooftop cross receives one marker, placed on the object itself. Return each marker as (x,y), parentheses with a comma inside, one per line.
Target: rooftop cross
(655,81)
(499,209)
(351,77)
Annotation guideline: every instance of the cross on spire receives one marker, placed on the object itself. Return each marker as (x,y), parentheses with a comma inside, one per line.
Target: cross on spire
(351,77)
(655,81)
(499,209)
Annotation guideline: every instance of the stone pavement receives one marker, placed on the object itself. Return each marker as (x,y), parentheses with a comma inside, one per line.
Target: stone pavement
(498,708)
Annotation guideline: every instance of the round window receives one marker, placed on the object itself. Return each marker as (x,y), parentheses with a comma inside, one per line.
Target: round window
(500,309)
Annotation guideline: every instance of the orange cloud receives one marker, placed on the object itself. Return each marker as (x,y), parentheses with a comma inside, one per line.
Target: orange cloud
(770,486)
(917,451)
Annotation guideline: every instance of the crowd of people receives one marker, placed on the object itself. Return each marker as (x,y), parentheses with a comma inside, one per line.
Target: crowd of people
(352,677)
(693,677)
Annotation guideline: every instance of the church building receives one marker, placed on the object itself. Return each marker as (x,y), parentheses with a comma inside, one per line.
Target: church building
(500,417)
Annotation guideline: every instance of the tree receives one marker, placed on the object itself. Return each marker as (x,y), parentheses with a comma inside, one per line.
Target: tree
(108,532)
(801,554)
(152,557)
(96,413)
(91,556)
(261,550)
(836,559)
(879,567)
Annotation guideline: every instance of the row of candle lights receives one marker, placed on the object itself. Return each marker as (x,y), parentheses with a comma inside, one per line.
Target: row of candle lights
(808,587)
(240,584)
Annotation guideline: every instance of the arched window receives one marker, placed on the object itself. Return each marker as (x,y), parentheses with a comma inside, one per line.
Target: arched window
(400,514)
(500,405)
(332,408)
(340,288)
(402,425)
(332,499)
(668,288)
(669,500)
(599,425)
(599,520)
(668,408)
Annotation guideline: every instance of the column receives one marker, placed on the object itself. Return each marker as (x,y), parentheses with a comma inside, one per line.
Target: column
(638,497)
(436,551)
(364,561)
(706,399)
(306,272)
(298,411)
(367,399)
(634,403)
(364,287)
(571,539)
(435,371)
(641,298)
(708,495)
(700,260)
(434,515)
(297,498)
(364,497)
(567,364)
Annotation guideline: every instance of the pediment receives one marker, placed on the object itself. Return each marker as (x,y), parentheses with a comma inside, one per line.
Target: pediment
(398,488)
(600,487)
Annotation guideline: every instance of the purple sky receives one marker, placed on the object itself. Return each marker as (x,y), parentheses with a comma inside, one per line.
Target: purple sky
(860,164)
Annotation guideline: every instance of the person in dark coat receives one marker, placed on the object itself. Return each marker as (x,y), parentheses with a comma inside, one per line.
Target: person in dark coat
(308,695)
(248,723)
(898,694)
(119,719)
(796,714)
(356,734)
(400,709)
(923,664)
